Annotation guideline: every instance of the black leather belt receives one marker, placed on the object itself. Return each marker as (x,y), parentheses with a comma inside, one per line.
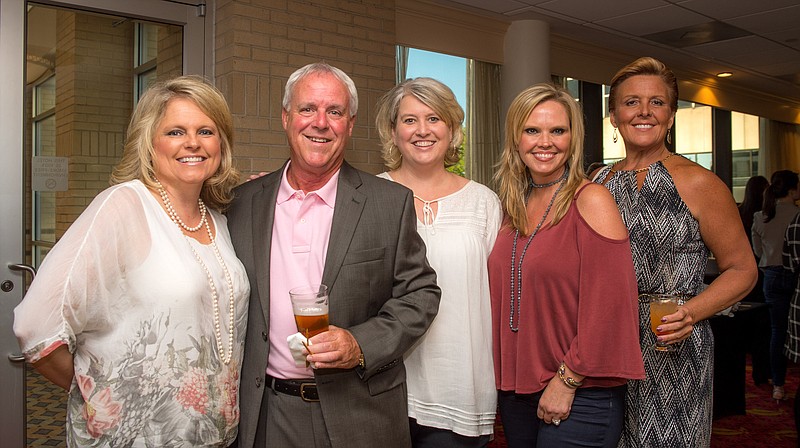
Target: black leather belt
(305,389)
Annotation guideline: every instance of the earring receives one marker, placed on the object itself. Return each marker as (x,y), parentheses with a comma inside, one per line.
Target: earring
(614,136)
(669,136)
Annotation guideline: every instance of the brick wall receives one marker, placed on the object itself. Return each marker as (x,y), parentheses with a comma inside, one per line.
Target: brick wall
(93,91)
(259,43)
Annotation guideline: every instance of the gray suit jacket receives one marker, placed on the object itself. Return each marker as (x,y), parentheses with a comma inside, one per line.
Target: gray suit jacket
(381,289)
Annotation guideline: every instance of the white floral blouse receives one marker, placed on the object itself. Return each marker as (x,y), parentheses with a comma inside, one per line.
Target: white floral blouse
(123,289)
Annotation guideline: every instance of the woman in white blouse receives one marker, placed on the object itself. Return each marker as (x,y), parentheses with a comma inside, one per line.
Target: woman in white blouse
(768,232)
(139,309)
(451,390)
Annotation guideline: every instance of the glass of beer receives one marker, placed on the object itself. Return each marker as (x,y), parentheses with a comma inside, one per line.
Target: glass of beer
(310,306)
(660,306)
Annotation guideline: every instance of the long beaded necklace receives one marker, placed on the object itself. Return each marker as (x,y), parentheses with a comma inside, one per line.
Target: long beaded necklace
(639,170)
(225,358)
(174,215)
(518,267)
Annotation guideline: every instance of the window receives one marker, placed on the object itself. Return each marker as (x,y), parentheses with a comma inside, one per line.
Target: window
(745,138)
(145,56)
(43,126)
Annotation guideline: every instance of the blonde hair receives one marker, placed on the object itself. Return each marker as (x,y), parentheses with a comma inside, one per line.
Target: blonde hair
(512,177)
(645,66)
(431,93)
(137,156)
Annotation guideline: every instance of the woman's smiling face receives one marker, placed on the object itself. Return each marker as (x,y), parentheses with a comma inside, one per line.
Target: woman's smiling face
(642,113)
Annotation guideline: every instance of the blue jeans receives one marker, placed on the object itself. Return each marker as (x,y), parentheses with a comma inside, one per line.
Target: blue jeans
(778,290)
(428,437)
(594,421)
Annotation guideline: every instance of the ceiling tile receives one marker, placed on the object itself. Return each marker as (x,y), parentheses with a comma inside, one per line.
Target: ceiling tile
(593,11)
(698,34)
(770,21)
(750,48)
(497,6)
(727,9)
(789,38)
(653,20)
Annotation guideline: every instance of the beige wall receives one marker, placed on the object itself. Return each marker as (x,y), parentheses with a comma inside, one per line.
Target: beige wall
(259,43)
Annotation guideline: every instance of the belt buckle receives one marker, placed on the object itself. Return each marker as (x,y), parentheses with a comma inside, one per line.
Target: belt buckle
(303,392)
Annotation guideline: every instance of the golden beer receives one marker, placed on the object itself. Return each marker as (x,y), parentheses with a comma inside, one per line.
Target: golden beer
(311,324)
(660,306)
(310,307)
(659,309)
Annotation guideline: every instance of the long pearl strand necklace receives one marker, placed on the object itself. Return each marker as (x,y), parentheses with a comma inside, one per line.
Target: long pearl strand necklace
(174,215)
(516,280)
(225,358)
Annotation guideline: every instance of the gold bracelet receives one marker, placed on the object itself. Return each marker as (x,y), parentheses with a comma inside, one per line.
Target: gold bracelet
(568,380)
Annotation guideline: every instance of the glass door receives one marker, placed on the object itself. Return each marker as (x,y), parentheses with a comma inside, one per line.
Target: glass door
(72,73)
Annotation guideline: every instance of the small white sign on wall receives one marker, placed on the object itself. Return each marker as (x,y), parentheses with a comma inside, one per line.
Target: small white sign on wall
(49,173)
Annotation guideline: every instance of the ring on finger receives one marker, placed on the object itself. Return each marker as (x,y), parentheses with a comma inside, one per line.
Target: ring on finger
(556,421)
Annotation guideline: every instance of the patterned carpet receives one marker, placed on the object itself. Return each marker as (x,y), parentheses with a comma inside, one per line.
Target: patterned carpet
(767,424)
(46,405)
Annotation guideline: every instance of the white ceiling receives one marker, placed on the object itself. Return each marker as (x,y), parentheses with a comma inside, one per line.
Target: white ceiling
(757,40)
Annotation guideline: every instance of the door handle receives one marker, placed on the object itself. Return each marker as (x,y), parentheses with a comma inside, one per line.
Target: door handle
(21,267)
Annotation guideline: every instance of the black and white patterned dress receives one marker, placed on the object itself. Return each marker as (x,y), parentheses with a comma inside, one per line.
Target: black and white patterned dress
(671,407)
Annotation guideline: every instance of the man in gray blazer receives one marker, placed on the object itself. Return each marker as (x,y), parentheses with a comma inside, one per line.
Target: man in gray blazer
(319,220)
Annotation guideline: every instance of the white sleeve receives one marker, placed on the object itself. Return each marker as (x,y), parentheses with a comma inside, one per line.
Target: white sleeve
(493,221)
(83,273)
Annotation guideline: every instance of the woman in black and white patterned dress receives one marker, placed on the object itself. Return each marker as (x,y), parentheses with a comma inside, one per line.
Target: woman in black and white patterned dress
(676,212)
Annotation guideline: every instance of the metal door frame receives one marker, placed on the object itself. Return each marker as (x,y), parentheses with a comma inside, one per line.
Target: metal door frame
(197,22)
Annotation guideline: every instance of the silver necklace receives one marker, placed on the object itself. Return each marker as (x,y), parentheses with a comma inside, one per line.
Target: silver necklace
(550,184)
(174,215)
(225,358)
(517,302)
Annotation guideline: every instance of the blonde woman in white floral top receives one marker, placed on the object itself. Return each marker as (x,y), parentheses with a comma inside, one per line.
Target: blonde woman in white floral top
(140,309)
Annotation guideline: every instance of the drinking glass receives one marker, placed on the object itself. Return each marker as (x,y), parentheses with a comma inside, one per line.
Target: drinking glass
(310,307)
(660,306)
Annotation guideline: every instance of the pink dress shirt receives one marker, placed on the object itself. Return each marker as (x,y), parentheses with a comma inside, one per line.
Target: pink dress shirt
(300,234)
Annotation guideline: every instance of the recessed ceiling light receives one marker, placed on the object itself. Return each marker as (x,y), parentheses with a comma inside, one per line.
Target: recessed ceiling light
(724,74)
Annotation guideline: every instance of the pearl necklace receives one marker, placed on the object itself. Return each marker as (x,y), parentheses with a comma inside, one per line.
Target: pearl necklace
(518,267)
(639,170)
(174,215)
(225,358)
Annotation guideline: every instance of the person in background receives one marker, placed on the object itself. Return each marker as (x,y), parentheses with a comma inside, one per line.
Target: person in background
(451,392)
(769,231)
(676,211)
(753,202)
(791,261)
(319,220)
(757,341)
(562,285)
(139,309)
